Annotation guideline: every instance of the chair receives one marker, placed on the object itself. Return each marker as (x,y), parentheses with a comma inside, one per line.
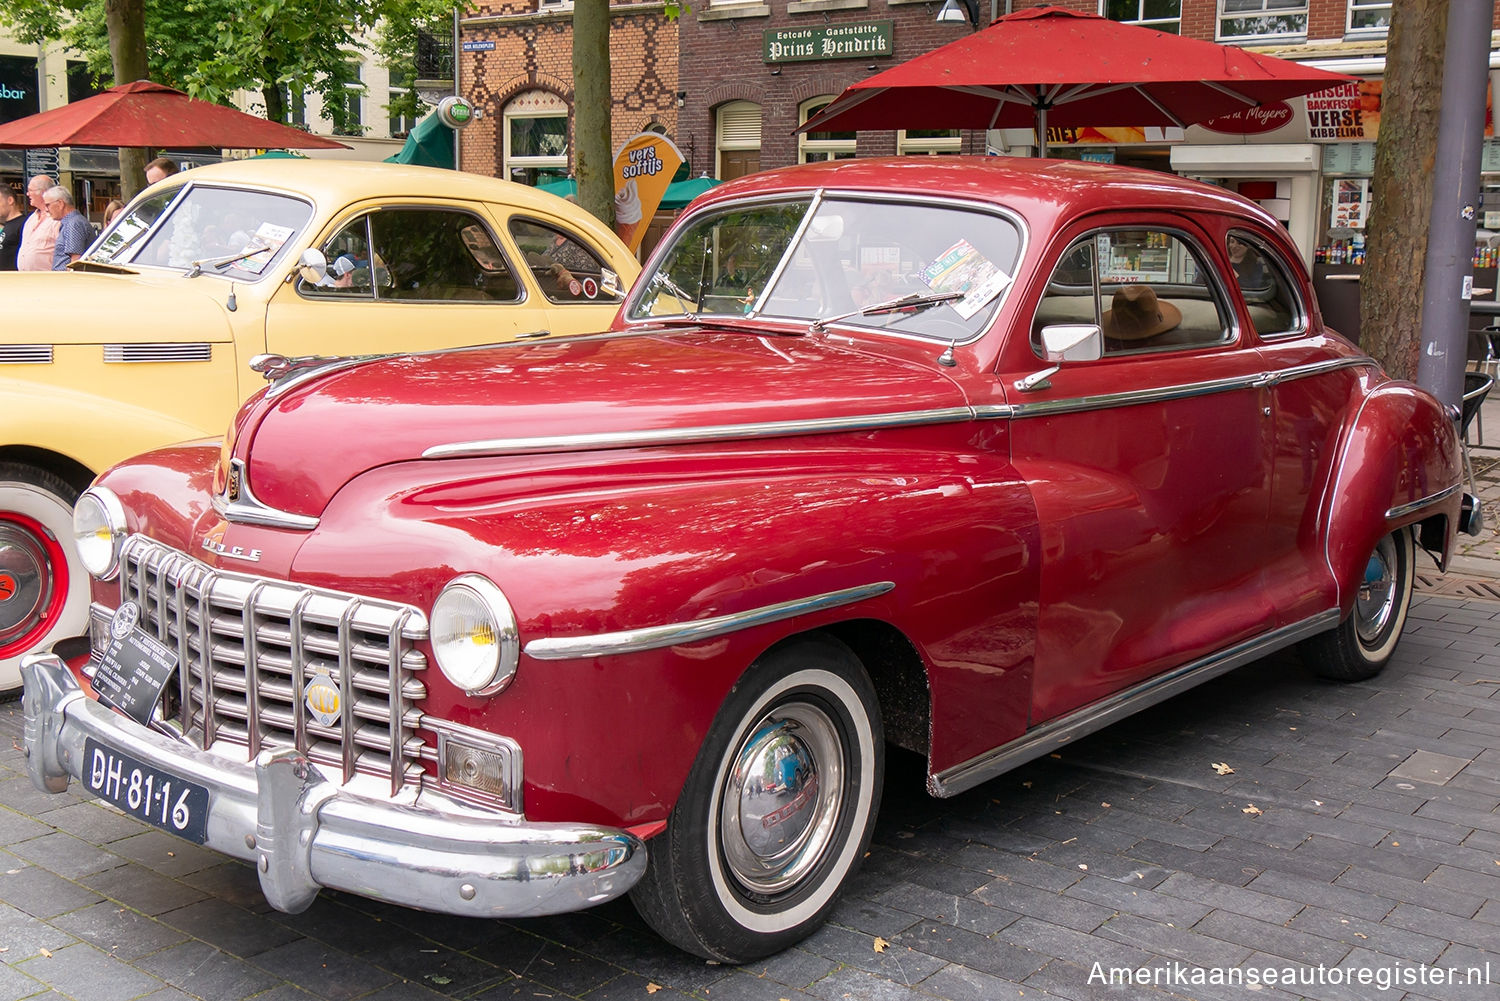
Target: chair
(1477,386)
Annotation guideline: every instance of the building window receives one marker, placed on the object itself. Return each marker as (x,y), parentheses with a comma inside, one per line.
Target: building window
(295,103)
(18,90)
(813,147)
(1369,17)
(405,106)
(1244,20)
(558,5)
(928,142)
(737,139)
(1162,15)
(536,138)
(343,107)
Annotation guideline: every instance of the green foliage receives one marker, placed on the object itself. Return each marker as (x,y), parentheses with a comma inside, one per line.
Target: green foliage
(213,48)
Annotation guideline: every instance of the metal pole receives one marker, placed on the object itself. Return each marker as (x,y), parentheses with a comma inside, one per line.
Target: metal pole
(458,146)
(1455,202)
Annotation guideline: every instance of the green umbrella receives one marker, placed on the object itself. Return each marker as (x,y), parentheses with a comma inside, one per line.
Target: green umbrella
(679,193)
(428,144)
(566,188)
(277,154)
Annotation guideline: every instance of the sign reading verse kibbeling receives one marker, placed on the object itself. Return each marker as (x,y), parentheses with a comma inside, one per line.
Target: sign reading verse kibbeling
(859,40)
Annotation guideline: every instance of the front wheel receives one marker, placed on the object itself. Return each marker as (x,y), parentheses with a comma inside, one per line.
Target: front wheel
(44,594)
(777,811)
(1359,647)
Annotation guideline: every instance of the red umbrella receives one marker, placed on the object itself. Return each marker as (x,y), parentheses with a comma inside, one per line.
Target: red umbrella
(148,114)
(1049,65)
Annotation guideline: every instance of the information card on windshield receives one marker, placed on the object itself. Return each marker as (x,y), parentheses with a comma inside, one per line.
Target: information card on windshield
(961,268)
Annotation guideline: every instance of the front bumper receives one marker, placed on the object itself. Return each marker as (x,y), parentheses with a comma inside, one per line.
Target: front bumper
(303,833)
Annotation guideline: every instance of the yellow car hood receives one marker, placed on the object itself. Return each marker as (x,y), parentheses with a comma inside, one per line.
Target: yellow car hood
(91,308)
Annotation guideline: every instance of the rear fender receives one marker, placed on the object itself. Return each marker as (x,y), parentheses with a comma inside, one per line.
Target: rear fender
(1401,464)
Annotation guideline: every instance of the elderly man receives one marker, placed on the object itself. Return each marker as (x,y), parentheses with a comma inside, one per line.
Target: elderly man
(39,234)
(74,232)
(161,167)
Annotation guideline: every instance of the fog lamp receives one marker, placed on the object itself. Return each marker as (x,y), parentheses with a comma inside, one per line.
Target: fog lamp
(474,635)
(99,531)
(475,768)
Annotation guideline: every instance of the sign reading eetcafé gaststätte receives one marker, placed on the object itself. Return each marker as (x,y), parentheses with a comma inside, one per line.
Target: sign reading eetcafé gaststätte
(857,40)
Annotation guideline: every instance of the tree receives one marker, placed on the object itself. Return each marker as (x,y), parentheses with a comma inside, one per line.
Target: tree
(1392,283)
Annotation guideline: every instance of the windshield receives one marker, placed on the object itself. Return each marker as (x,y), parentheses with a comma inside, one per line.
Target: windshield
(771,259)
(196,223)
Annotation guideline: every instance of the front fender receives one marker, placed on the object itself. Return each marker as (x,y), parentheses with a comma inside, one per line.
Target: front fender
(1401,463)
(91,428)
(588,545)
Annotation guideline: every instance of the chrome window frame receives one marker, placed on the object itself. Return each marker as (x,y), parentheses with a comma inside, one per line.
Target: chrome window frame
(277,261)
(815,198)
(1275,261)
(1215,285)
(573,235)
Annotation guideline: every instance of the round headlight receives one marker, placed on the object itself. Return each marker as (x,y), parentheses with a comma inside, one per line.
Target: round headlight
(474,635)
(99,531)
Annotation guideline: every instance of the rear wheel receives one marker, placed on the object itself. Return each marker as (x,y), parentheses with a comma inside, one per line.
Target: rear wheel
(1360,646)
(777,811)
(44,594)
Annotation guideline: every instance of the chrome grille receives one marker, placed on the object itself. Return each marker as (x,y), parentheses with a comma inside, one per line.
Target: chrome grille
(247,648)
(131,353)
(26,354)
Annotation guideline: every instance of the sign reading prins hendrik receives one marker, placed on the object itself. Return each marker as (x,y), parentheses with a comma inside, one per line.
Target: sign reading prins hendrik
(858,40)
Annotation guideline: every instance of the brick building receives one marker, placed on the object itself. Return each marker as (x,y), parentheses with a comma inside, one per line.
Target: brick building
(516,66)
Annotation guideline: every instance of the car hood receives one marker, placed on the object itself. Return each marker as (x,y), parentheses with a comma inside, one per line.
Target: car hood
(301,446)
(112,308)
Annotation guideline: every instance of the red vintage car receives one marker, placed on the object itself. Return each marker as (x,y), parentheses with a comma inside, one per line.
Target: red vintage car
(971,456)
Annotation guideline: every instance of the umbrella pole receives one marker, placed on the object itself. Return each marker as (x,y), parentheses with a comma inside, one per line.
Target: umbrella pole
(1041,129)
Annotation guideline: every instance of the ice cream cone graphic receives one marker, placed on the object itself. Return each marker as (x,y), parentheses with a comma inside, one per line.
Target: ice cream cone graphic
(628,214)
(644,167)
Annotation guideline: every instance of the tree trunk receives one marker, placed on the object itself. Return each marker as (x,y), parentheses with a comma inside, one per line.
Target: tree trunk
(126,21)
(275,97)
(1396,241)
(592,165)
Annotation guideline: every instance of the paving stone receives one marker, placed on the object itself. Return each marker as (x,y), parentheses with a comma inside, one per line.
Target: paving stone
(165,853)
(1219,867)
(16,826)
(1173,941)
(118,931)
(997,958)
(38,892)
(1024,869)
(1071,912)
(23,936)
(1360,933)
(794,967)
(15,984)
(325,972)
(960,911)
(1437,898)
(199,969)
(84,972)
(95,822)
(1343,855)
(66,856)
(1050,939)
(957,982)
(1273,939)
(230,928)
(1405,823)
(142,889)
(1229,897)
(851,984)
(900,962)
(1479,934)
(738,986)
(1138,900)
(1306,890)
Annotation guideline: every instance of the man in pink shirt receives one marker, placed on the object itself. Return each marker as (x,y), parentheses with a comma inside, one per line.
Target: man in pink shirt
(39,235)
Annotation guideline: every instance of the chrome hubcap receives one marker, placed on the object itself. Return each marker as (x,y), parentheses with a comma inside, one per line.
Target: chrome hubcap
(1376,602)
(782,797)
(25,584)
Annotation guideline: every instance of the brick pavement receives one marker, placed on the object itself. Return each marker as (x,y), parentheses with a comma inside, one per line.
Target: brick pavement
(1359,828)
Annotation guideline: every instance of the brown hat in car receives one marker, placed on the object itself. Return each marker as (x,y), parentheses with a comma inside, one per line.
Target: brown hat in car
(1135,314)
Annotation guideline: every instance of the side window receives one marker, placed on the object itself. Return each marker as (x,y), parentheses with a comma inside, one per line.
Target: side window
(437,255)
(350,275)
(1262,276)
(565,268)
(1147,289)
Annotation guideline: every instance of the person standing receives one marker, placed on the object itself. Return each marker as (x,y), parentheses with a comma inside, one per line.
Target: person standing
(74,232)
(39,234)
(11,219)
(160,168)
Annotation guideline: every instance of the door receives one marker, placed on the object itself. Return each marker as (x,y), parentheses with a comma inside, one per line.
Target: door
(1150,466)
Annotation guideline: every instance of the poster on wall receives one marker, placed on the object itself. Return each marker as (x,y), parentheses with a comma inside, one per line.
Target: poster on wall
(1351,203)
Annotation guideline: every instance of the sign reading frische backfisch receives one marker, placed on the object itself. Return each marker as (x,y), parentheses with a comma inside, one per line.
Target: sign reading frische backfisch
(858,40)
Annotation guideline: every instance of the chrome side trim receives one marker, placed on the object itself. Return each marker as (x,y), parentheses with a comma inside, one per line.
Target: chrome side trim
(693,435)
(26,354)
(116,354)
(249,510)
(678,633)
(1045,408)
(1049,736)
(1402,510)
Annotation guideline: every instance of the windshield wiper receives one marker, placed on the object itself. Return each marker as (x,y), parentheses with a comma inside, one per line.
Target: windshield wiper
(220,263)
(683,299)
(912,301)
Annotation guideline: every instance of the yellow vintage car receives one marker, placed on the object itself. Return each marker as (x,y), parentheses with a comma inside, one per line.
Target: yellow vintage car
(148,340)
